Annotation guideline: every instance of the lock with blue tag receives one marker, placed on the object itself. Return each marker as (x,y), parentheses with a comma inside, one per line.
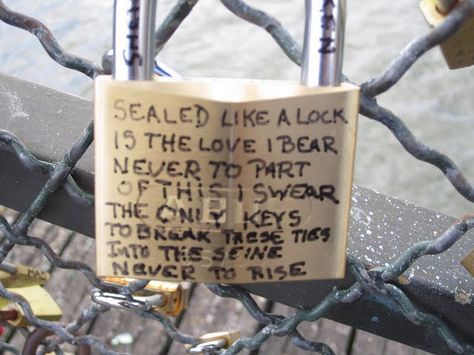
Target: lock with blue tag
(224,180)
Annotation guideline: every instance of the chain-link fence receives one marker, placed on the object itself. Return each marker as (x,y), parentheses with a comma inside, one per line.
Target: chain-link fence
(378,281)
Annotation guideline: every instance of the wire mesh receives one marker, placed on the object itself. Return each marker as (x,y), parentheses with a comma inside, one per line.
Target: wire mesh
(373,281)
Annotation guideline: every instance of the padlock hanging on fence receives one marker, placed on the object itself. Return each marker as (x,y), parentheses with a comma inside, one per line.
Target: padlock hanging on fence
(223,180)
(16,275)
(170,298)
(26,281)
(458,50)
(43,306)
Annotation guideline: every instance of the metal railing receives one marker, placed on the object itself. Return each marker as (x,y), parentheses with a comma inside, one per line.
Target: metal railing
(378,283)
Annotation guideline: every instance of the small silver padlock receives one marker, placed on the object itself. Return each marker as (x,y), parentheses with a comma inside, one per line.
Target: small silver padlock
(224,180)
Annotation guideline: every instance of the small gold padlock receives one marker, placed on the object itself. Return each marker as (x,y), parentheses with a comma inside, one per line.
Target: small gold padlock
(468,262)
(458,50)
(15,276)
(42,304)
(213,342)
(223,180)
(176,295)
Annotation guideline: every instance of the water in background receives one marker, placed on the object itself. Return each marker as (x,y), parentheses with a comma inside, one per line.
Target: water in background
(437,104)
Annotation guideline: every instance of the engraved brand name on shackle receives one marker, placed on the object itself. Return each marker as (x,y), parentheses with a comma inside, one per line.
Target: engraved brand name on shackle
(133,54)
(134,26)
(322,51)
(323,42)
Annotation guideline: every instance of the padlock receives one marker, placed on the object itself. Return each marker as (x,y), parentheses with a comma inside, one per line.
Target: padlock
(458,50)
(155,302)
(213,342)
(21,275)
(223,180)
(42,304)
(175,295)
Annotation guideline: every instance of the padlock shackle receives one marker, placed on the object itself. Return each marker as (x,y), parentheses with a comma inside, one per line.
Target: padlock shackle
(323,46)
(134,26)
(7,267)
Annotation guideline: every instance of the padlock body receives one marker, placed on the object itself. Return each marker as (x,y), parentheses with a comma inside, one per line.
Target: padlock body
(24,276)
(223,180)
(458,50)
(42,305)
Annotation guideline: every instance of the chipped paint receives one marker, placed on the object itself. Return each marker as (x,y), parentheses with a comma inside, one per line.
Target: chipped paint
(463,297)
(15,105)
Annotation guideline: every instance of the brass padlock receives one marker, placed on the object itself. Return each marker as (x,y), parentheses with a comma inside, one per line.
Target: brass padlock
(224,180)
(12,275)
(458,50)
(156,302)
(42,305)
(175,295)
(213,342)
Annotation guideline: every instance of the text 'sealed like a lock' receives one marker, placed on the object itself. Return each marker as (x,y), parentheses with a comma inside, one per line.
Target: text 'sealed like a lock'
(224,180)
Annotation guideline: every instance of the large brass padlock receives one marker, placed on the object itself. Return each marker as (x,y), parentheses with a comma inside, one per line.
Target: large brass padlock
(458,50)
(42,305)
(223,180)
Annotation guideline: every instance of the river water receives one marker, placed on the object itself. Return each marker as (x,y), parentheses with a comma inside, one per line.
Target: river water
(436,103)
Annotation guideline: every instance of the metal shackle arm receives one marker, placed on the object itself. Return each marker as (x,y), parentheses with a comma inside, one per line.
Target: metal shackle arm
(323,42)
(134,25)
